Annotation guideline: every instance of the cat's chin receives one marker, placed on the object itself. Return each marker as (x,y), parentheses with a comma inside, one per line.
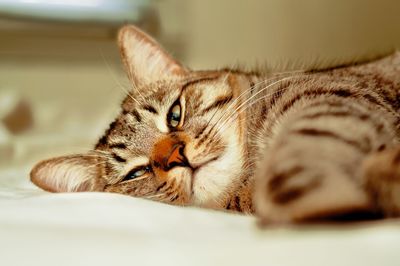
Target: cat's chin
(197,168)
(214,177)
(211,181)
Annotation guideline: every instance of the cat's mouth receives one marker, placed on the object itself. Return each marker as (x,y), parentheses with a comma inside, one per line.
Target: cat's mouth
(196,169)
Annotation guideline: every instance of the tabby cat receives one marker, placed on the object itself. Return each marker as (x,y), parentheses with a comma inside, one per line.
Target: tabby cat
(287,147)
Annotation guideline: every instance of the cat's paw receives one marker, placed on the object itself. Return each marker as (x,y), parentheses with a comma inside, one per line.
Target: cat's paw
(299,189)
(381,173)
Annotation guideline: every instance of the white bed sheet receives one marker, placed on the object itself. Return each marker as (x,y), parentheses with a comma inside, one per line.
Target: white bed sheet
(40,228)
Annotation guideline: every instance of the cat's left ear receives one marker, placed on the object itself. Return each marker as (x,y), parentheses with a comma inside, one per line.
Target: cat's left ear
(144,59)
(72,173)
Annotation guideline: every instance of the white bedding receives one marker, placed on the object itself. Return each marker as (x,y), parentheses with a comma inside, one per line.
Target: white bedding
(40,228)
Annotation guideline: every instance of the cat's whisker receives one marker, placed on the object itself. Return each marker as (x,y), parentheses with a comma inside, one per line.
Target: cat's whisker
(248,100)
(260,91)
(232,111)
(136,89)
(115,78)
(229,121)
(244,93)
(225,78)
(209,121)
(130,96)
(216,110)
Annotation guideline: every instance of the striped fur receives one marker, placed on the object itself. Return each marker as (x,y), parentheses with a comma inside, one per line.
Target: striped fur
(288,146)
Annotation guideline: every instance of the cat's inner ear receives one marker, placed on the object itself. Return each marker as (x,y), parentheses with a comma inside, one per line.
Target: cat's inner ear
(69,174)
(144,59)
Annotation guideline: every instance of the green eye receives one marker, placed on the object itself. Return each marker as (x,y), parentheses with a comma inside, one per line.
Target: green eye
(135,173)
(174,117)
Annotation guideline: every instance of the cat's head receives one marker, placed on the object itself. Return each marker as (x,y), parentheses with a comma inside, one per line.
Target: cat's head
(177,139)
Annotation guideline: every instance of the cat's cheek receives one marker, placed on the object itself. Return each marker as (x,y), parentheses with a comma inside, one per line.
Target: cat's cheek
(131,189)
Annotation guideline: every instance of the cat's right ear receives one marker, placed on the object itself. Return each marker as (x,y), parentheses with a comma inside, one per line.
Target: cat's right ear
(73,173)
(144,59)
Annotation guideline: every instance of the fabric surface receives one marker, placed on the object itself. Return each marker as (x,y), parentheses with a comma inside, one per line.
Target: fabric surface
(38,228)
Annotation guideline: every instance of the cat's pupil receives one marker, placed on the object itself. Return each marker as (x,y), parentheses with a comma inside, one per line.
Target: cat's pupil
(175,116)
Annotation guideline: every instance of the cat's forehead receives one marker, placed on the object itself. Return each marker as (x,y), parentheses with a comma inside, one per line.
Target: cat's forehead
(155,92)
(126,133)
(144,111)
(161,90)
(161,94)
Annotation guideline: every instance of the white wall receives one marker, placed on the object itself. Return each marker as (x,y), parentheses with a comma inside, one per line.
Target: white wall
(277,31)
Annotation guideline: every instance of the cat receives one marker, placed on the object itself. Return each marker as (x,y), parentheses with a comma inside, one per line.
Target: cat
(288,147)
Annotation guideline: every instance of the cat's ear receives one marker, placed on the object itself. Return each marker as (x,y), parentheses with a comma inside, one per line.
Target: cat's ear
(144,59)
(69,174)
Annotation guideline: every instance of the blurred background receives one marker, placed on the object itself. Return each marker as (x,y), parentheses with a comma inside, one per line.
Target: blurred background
(61,79)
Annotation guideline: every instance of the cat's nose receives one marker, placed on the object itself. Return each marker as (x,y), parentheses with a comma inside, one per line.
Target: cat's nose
(177,157)
(168,154)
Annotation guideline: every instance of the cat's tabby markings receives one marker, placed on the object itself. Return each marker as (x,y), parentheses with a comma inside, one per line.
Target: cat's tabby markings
(289,146)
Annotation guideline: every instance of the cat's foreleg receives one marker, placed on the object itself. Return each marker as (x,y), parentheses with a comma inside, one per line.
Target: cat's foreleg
(312,169)
(381,173)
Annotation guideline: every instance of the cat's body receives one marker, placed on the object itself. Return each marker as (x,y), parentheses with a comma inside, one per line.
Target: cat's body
(291,146)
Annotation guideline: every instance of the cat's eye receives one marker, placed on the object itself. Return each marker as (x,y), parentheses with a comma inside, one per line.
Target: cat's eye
(174,116)
(136,173)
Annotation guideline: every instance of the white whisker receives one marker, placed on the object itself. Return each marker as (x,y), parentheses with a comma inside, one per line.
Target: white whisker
(255,85)
(249,99)
(115,78)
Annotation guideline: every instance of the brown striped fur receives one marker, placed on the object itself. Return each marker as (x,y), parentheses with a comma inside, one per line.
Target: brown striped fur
(288,146)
